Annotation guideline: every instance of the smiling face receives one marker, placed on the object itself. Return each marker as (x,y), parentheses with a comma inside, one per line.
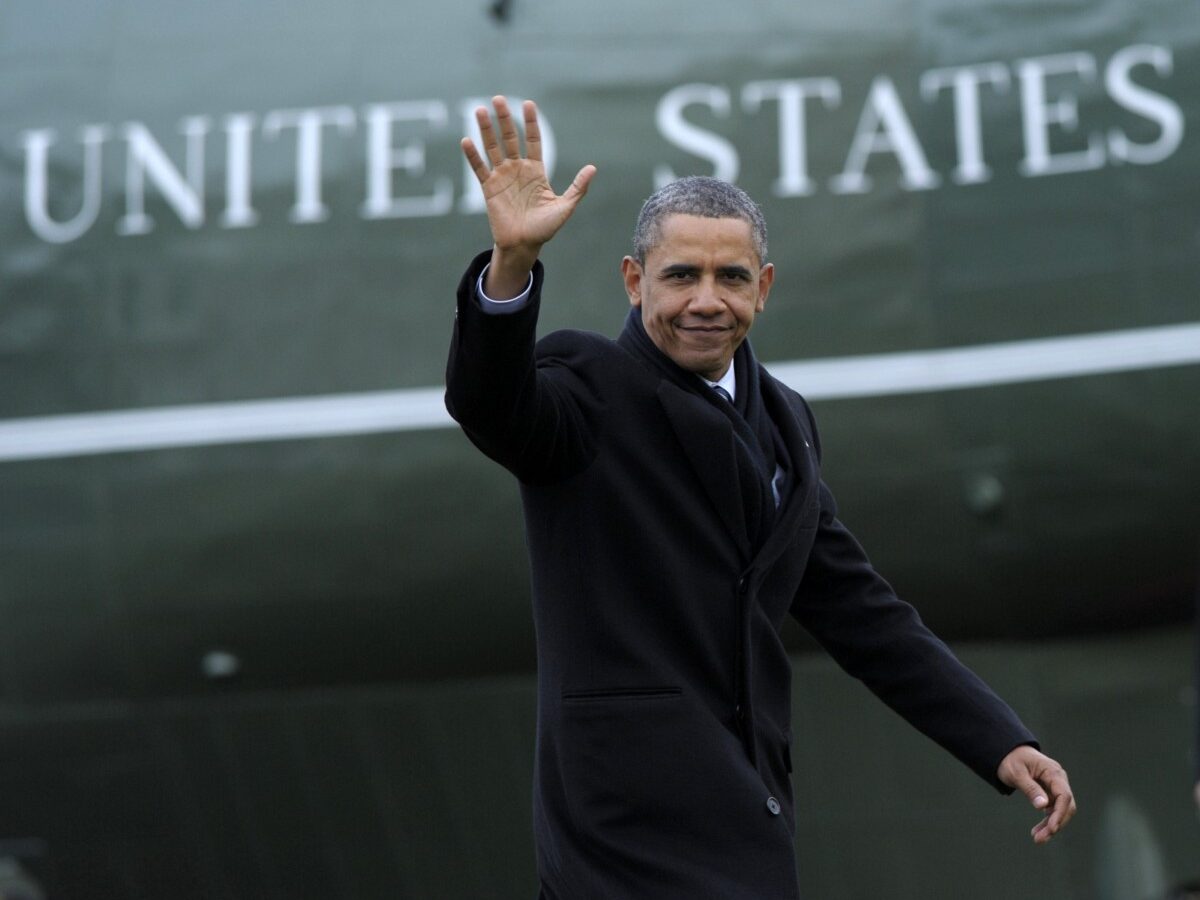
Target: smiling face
(699,290)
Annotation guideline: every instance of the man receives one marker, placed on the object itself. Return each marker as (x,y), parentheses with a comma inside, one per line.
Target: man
(671,527)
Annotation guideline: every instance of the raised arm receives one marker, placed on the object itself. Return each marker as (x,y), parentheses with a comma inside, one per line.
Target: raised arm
(523,210)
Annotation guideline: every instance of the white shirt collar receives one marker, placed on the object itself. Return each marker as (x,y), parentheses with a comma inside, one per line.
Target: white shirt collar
(728,382)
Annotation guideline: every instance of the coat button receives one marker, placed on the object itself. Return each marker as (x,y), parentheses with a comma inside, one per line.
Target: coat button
(773,806)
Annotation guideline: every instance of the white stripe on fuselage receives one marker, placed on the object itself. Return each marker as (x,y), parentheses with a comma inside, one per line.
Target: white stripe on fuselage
(206,424)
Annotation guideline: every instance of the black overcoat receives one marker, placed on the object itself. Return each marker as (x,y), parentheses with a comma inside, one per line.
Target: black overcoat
(664,728)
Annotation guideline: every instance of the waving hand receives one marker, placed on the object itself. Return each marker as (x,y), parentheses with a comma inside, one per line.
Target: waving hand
(523,210)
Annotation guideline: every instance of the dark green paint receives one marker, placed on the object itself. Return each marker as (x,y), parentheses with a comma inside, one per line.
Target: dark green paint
(329,565)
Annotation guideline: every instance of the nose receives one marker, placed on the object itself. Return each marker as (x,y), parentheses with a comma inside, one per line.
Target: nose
(707,300)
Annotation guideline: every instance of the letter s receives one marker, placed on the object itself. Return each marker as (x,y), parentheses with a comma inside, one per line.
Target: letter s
(686,136)
(1159,109)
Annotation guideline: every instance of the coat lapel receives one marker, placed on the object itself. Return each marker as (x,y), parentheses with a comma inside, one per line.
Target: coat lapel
(708,443)
(802,483)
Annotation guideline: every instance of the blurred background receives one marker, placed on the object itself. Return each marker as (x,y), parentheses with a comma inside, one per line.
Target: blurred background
(264,614)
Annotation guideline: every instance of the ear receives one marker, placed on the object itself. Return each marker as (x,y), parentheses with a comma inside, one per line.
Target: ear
(631,271)
(766,277)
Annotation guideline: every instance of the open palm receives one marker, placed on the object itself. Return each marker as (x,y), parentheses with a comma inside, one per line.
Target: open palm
(523,210)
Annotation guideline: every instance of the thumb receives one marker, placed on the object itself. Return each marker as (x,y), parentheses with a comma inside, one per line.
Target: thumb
(577,188)
(1027,785)
(1017,770)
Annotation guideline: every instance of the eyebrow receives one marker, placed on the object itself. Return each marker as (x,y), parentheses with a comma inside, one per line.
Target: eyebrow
(679,269)
(688,269)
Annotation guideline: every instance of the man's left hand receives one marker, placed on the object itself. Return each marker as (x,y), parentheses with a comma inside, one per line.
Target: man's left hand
(1044,782)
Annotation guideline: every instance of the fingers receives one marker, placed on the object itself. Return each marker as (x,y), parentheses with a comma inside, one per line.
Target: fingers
(1050,792)
(474,160)
(533,132)
(508,128)
(488,134)
(1064,809)
(508,145)
(1064,803)
(1041,832)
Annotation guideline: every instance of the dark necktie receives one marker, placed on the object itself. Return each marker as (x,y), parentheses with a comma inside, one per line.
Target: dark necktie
(780,476)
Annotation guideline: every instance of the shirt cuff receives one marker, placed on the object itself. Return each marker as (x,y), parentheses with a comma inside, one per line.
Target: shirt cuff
(501,307)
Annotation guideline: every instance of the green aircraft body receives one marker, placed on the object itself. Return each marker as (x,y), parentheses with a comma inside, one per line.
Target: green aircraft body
(264,625)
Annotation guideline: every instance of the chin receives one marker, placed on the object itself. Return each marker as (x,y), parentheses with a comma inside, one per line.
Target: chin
(705,368)
(699,361)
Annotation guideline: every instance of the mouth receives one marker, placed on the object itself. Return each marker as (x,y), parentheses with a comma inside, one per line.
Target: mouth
(705,329)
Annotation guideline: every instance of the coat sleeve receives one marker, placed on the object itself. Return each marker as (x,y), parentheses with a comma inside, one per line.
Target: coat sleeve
(536,413)
(853,612)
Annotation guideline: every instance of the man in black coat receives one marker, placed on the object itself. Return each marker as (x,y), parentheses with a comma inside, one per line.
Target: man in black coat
(675,514)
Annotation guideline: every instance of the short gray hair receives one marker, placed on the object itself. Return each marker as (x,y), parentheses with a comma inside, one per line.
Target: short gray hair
(697,195)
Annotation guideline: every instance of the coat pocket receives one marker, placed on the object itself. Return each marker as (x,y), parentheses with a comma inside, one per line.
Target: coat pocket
(592,695)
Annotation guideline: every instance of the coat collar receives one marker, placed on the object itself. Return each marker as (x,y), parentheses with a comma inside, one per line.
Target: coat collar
(706,436)
(708,442)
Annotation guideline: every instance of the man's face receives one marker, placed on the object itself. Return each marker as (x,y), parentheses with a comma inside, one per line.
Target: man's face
(699,290)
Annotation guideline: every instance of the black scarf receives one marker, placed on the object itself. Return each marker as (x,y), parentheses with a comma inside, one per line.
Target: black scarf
(759,448)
